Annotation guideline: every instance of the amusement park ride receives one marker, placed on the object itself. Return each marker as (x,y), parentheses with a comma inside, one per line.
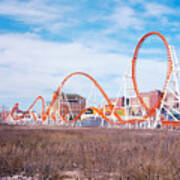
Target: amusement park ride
(163,114)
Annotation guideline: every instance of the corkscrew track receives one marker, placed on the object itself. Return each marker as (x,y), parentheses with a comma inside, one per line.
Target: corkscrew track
(150,112)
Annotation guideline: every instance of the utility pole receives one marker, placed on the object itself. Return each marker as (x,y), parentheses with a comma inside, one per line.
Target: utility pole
(3,113)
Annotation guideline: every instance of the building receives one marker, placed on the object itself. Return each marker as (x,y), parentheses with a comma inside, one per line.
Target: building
(3,114)
(134,108)
(71,104)
(150,99)
(172,101)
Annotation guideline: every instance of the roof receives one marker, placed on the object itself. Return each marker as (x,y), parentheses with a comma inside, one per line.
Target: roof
(72,96)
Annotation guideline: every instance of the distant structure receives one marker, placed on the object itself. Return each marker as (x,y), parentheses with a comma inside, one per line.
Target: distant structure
(72,104)
(150,98)
(3,113)
(133,109)
(69,105)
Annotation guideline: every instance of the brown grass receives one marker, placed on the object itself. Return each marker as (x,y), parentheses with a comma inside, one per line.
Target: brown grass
(57,153)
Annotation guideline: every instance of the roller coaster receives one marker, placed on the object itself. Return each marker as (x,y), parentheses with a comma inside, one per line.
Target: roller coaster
(160,115)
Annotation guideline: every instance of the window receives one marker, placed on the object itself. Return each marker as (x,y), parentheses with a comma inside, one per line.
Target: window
(89,111)
(73,101)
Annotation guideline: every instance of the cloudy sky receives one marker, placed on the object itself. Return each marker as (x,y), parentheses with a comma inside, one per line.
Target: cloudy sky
(42,41)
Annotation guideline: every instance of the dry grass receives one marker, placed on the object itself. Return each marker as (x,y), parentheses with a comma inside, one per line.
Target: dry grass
(90,153)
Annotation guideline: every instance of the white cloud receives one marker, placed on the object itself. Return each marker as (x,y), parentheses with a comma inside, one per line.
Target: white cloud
(177,37)
(125,17)
(139,15)
(42,14)
(158,10)
(31,66)
(30,12)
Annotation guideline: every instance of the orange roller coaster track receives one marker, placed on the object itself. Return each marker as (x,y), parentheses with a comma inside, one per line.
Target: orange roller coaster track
(84,110)
(39,98)
(120,121)
(168,74)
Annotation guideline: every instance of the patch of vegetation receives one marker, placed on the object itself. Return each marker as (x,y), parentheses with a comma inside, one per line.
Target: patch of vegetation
(52,153)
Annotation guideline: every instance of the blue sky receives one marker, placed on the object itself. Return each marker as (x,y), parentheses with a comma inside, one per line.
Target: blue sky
(42,41)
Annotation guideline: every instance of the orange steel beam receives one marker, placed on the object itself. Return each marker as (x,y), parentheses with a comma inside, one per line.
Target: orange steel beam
(121,121)
(97,110)
(168,74)
(28,111)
